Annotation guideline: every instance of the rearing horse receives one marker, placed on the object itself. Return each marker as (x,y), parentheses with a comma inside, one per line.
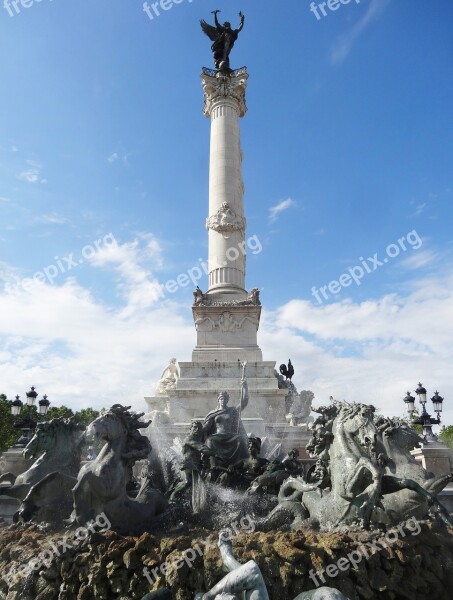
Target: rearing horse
(101,485)
(355,474)
(57,446)
(407,490)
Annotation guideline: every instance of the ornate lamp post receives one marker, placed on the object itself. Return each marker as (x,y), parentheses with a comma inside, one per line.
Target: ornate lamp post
(27,424)
(43,406)
(410,403)
(425,419)
(31,396)
(16,406)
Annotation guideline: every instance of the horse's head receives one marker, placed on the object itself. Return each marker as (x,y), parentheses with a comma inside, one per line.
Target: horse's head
(55,437)
(43,441)
(119,425)
(400,434)
(357,420)
(108,426)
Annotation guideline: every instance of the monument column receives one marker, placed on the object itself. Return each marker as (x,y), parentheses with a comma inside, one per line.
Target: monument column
(226,317)
(224,103)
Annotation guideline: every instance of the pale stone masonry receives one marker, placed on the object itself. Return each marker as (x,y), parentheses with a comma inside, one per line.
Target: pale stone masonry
(224,103)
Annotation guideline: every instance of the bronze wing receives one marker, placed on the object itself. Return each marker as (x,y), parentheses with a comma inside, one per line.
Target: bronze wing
(209,30)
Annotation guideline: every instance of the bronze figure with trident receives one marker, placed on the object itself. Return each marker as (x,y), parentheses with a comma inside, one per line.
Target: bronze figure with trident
(223,430)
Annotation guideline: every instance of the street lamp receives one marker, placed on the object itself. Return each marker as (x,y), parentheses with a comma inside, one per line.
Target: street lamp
(425,418)
(421,393)
(16,406)
(27,424)
(43,406)
(410,403)
(437,403)
(31,397)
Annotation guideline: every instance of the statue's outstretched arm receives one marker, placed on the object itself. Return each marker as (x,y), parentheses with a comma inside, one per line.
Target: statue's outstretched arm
(241,26)
(216,20)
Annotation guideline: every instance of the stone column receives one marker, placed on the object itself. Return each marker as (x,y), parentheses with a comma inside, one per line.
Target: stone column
(224,96)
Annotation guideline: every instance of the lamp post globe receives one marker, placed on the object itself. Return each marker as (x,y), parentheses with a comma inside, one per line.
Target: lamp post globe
(16,406)
(437,403)
(31,396)
(43,406)
(421,393)
(410,403)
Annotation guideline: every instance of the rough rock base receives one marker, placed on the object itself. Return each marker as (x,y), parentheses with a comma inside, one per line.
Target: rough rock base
(108,567)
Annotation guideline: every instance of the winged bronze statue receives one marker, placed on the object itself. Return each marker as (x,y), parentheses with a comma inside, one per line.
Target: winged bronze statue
(224,38)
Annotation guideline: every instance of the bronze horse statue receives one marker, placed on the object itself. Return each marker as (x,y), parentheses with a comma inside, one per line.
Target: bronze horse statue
(101,484)
(57,448)
(371,477)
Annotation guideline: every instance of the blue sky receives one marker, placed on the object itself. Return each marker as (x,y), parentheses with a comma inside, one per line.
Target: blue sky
(348,147)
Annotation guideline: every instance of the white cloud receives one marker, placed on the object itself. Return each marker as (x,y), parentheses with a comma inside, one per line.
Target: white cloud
(136,282)
(80,352)
(4,199)
(53,219)
(113,157)
(275,211)
(370,351)
(83,352)
(420,208)
(33,173)
(344,44)
(124,157)
(30,176)
(421,259)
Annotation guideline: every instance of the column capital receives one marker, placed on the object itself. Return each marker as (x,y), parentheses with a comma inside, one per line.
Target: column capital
(219,87)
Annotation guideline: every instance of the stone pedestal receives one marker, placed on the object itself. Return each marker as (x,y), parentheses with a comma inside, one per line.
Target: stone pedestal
(199,384)
(435,458)
(8,507)
(291,437)
(12,461)
(226,332)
